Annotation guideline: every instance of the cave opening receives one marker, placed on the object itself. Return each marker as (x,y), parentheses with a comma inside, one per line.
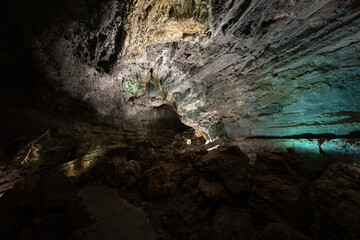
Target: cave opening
(191,119)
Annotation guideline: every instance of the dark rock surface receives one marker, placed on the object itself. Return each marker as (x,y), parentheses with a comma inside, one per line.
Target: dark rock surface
(280,188)
(334,197)
(44,206)
(233,223)
(282,231)
(229,68)
(186,191)
(100,90)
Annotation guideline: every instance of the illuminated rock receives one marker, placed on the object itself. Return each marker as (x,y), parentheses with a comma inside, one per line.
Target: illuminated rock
(235,69)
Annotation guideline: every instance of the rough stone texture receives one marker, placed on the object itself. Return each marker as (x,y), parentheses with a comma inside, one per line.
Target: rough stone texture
(277,181)
(233,171)
(273,69)
(228,68)
(108,77)
(153,21)
(335,202)
(164,180)
(233,223)
(188,191)
(213,190)
(283,232)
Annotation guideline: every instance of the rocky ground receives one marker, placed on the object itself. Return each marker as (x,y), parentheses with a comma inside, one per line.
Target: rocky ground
(189,191)
(97,91)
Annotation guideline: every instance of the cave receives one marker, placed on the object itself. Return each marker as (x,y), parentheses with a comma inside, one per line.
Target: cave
(179,119)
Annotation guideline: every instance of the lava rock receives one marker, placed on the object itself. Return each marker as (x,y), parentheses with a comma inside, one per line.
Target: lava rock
(164,180)
(228,164)
(282,231)
(232,223)
(335,197)
(213,190)
(279,187)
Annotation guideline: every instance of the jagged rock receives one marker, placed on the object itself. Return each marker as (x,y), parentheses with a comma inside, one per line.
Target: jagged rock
(164,180)
(108,72)
(190,183)
(280,187)
(209,194)
(231,223)
(125,174)
(282,231)
(228,164)
(213,190)
(145,153)
(335,203)
(227,68)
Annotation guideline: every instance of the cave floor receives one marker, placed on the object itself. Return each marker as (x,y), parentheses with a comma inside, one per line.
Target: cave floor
(71,183)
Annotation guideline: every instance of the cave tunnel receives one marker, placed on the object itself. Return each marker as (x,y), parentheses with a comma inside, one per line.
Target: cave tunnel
(179,119)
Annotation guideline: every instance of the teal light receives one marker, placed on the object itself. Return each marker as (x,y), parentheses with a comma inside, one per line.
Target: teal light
(318,146)
(317,154)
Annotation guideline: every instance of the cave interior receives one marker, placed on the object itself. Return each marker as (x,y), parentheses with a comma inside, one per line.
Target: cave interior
(180,119)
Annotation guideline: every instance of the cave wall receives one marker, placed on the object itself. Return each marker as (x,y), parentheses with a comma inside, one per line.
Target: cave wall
(228,68)
(272,68)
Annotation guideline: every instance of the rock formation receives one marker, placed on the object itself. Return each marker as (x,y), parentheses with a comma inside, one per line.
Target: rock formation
(221,119)
(233,68)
